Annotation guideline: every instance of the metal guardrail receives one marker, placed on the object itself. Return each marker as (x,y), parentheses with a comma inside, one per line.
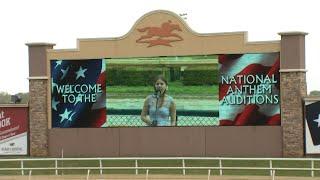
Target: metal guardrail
(131,117)
(183,166)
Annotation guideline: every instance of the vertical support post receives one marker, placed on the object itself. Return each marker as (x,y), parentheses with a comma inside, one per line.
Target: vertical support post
(88,174)
(293,88)
(136,165)
(30,172)
(22,171)
(147,174)
(100,163)
(38,104)
(270,165)
(220,166)
(184,167)
(273,174)
(56,166)
(209,172)
(62,161)
(312,168)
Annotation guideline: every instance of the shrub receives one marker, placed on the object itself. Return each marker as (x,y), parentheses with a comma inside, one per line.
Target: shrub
(200,77)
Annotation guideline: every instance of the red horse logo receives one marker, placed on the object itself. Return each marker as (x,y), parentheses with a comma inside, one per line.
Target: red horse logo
(160,35)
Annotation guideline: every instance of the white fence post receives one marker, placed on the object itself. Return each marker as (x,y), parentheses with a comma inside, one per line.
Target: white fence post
(184,167)
(147,174)
(62,160)
(22,172)
(220,166)
(270,165)
(30,172)
(56,166)
(88,174)
(312,167)
(273,174)
(61,168)
(100,163)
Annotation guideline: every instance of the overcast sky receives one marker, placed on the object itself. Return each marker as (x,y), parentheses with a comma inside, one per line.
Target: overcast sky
(64,21)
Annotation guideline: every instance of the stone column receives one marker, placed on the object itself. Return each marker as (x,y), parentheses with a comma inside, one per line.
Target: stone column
(293,90)
(38,84)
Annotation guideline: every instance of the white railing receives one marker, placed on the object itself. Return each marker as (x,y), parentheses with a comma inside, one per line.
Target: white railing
(183,166)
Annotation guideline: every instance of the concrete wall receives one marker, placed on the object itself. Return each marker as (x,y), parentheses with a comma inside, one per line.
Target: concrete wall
(257,141)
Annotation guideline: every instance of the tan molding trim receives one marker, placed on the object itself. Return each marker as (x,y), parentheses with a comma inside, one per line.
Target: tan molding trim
(13,105)
(293,33)
(37,77)
(40,44)
(244,33)
(264,42)
(312,98)
(293,70)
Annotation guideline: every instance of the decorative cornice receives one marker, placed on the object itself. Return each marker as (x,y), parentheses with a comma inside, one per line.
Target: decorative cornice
(312,98)
(293,70)
(40,44)
(38,77)
(13,105)
(293,33)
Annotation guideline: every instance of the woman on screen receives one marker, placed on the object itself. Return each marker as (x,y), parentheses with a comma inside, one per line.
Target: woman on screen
(159,109)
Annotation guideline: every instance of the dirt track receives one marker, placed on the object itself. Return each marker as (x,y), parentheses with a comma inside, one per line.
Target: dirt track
(152,177)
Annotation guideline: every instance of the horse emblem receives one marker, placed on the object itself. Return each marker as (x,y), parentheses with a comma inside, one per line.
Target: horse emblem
(162,35)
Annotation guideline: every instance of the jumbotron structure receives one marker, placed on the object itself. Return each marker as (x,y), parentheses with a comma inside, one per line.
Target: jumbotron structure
(258,105)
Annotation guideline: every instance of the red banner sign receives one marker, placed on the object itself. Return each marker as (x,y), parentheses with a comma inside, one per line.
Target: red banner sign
(13,130)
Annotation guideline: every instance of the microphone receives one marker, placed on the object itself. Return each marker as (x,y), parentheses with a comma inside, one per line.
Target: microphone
(154,123)
(158,92)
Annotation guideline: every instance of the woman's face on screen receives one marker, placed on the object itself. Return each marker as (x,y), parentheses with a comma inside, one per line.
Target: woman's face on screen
(160,85)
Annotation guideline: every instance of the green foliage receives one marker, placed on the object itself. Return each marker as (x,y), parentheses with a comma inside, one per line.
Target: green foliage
(24,97)
(117,77)
(135,76)
(200,77)
(5,98)
(314,93)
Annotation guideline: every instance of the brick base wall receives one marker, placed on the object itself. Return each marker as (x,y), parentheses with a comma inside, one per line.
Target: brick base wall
(38,123)
(293,90)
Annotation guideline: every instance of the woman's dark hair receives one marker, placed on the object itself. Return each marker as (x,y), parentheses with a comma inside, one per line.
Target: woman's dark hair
(161,78)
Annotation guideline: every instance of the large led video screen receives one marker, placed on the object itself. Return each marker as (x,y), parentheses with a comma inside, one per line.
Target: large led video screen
(78,93)
(249,89)
(163,91)
(195,90)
